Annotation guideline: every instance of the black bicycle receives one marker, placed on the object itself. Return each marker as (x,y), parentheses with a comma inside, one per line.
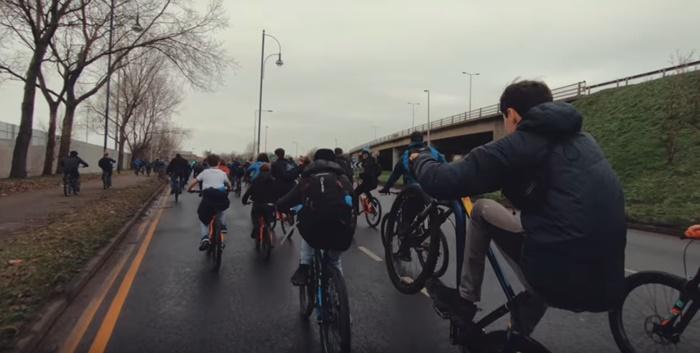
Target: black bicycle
(414,245)
(658,312)
(327,294)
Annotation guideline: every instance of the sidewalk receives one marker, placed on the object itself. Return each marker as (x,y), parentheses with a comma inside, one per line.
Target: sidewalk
(36,208)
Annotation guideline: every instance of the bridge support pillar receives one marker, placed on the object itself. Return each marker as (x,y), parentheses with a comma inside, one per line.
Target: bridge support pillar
(395,156)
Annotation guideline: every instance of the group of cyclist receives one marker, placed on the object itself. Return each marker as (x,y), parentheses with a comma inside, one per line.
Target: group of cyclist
(565,236)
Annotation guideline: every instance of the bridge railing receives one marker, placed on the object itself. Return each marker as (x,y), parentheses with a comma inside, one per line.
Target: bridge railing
(568,92)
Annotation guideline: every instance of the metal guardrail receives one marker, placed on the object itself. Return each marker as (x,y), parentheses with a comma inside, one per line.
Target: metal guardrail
(565,93)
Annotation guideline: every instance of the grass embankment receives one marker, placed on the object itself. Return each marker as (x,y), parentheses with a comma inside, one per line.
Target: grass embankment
(11,186)
(39,263)
(650,132)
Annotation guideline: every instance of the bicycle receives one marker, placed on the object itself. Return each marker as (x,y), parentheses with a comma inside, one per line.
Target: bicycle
(372,209)
(326,293)
(176,186)
(666,318)
(418,240)
(263,240)
(286,221)
(216,240)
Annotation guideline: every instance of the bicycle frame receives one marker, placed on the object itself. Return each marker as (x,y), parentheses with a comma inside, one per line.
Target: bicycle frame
(672,327)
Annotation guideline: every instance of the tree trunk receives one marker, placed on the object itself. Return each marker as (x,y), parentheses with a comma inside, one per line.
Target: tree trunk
(51,141)
(24,137)
(66,132)
(122,141)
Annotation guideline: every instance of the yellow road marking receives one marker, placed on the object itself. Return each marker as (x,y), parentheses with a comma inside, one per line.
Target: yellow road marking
(369,253)
(88,315)
(99,344)
(409,280)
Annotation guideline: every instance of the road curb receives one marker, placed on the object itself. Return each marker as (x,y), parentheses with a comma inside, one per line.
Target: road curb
(35,331)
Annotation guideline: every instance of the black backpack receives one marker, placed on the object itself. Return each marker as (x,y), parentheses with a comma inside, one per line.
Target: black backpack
(327,221)
(290,172)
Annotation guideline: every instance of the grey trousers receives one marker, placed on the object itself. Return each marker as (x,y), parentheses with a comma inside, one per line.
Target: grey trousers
(491,221)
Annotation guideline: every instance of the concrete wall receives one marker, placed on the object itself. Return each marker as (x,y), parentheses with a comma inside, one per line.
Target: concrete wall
(35,161)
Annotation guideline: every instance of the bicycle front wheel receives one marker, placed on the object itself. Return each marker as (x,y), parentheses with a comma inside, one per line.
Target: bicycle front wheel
(374,214)
(265,244)
(216,247)
(648,300)
(335,322)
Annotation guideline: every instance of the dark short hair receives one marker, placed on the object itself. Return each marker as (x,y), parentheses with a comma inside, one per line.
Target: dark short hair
(213,160)
(279,152)
(523,95)
(416,136)
(262,157)
(338,151)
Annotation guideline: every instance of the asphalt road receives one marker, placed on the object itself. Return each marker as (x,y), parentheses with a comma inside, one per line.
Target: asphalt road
(161,297)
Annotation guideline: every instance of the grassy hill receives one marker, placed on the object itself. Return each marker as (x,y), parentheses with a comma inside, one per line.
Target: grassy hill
(650,132)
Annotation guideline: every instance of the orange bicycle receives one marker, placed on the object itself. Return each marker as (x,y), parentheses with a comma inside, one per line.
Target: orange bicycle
(372,210)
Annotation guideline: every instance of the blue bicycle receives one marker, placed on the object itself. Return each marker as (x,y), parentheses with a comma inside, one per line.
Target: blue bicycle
(326,292)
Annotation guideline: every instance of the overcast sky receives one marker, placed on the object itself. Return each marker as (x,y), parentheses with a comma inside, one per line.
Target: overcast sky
(349,65)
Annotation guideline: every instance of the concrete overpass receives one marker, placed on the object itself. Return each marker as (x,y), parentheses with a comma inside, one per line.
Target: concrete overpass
(457,134)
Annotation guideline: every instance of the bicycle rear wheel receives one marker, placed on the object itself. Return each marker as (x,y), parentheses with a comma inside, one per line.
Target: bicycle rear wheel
(443,257)
(335,324)
(265,243)
(215,246)
(374,215)
(649,298)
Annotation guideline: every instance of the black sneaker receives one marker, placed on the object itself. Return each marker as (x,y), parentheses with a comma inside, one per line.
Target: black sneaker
(301,276)
(204,243)
(448,302)
(224,229)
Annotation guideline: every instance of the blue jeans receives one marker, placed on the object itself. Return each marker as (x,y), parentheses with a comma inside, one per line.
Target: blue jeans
(306,256)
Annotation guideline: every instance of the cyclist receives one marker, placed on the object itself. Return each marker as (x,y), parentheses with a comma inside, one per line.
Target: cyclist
(254,168)
(285,173)
(370,177)
(69,166)
(344,162)
(107,165)
(215,186)
(326,218)
(412,207)
(567,241)
(179,170)
(262,191)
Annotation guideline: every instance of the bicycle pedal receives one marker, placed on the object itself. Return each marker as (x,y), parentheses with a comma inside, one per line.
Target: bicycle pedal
(462,333)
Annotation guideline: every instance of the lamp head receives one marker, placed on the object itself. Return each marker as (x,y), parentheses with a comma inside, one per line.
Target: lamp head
(279,61)
(137,26)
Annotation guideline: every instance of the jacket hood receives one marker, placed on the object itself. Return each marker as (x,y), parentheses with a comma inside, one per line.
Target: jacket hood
(553,119)
(323,166)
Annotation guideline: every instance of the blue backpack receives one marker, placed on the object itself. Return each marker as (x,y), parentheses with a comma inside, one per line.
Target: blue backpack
(254,170)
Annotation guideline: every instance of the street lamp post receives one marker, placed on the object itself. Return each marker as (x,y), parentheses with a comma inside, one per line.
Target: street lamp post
(413,114)
(266,127)
(263,59)
(255,126)
(471,75)
(136,28)
(296,149)
(428,92)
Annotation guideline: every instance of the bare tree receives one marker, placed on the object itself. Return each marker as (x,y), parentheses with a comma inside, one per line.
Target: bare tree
(29,26)
(171,27)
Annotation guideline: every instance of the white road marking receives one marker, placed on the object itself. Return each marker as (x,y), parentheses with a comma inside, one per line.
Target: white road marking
(630,271)
(410,280)
(425,292)
(369,253)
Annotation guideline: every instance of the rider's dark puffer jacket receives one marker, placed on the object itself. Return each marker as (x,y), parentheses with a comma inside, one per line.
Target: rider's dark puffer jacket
(572,203)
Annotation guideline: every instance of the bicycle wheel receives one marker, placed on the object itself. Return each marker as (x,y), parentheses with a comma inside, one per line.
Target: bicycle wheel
(215,247)
(443,257)
(287,224)
(649,298)
(374,215)
(498,342)
(411,255)
(265,243)
(335,324)
(307,299)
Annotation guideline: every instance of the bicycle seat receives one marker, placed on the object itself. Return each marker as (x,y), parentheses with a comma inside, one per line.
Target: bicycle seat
(692,233)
